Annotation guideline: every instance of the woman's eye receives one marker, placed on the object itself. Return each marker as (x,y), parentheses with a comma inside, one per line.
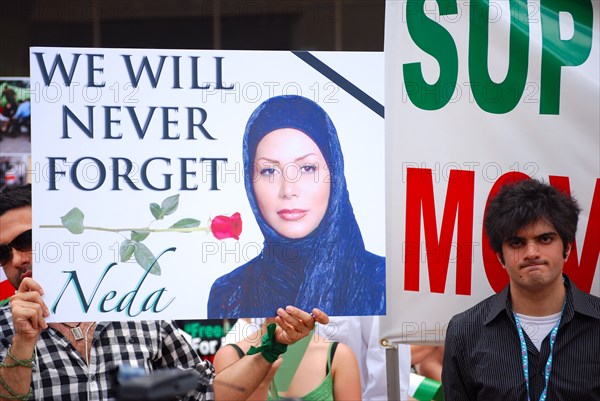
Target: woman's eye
(267,171)
(308,168)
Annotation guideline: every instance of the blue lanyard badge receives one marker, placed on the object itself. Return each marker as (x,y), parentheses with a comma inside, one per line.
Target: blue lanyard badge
(525,358)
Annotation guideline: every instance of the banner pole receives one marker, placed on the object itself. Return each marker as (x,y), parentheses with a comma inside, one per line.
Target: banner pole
(393,373)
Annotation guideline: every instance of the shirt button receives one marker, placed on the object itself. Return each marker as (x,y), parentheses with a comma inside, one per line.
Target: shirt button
(132,340)
(92,378)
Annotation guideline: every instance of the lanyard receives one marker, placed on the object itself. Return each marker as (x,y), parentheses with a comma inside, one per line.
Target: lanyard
(525,358)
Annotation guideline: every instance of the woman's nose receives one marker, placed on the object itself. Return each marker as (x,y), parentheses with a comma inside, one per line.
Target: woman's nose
(289,182)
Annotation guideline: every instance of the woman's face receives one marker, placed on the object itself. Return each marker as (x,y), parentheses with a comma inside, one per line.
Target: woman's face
(291,182)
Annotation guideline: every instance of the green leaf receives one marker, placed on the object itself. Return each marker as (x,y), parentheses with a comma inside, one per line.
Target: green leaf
(139,236)
(170,204)
(186,223)
(146,259)
(126,249)
(157,211)
(73,221)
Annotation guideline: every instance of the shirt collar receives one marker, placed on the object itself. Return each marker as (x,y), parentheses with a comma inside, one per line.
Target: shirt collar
(581,301)
(577,301)
(500,302)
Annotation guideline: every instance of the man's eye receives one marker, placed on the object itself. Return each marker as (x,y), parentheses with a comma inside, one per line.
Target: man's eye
(515,243)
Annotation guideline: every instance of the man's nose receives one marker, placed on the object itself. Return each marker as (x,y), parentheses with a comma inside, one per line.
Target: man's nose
(531,250)
(21,258)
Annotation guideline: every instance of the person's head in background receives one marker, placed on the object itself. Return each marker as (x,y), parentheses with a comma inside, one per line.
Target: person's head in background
(15,232)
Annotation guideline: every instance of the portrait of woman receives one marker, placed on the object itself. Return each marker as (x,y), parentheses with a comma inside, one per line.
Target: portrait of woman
(313,253)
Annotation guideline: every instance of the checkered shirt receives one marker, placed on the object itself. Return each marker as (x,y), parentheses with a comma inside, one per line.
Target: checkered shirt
(62,373)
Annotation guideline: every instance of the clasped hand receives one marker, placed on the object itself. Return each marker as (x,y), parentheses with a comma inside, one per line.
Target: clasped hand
(29,310)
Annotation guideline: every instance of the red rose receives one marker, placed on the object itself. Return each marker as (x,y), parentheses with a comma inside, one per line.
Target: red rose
(224,227)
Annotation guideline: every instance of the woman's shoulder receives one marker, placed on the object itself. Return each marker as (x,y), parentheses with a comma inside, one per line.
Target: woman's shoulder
(374,260)
(371,267)
(234,277)
(343,355)
(226,355)
(369,297)
(225,293)
(345,374)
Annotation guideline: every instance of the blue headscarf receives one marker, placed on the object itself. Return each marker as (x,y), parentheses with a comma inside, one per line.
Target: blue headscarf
(329,268)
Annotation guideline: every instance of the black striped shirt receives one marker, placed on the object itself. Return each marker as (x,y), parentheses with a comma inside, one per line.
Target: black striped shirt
(482,358)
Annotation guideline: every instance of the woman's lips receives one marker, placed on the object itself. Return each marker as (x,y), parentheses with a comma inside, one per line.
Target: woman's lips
(292,214)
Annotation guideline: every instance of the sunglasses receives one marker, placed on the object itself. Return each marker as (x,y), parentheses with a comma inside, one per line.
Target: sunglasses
(22,243)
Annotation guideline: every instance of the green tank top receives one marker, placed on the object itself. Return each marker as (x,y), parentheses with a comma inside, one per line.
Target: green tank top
(324,392)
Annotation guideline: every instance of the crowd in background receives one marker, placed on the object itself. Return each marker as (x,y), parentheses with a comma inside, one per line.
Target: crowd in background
(15,110)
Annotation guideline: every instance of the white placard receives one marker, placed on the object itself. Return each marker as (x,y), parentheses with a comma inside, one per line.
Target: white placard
(137,140)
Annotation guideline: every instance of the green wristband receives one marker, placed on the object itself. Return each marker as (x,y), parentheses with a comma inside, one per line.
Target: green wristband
(28,363)
(270,349)
(12,395)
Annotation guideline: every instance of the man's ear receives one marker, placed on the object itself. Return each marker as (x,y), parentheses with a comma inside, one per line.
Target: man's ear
(567,252)
(500,258)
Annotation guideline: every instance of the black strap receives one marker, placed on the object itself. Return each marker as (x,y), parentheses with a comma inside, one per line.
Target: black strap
(240,353)
(332,352)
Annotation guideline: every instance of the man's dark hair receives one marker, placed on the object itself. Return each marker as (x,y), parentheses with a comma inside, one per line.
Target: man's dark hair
(14,197)
(519,204)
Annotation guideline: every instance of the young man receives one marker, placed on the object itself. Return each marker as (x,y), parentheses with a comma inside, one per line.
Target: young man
(79,360)
(540,337)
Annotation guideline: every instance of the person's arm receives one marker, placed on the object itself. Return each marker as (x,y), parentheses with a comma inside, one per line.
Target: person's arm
(346,376)
(240,380)
(373,364)
(29,312)
(418,353)
(452,381)
(430,363)
(23,111)
(227,355)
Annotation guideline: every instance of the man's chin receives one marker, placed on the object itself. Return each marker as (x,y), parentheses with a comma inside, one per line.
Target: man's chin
(16,284)
(21,278)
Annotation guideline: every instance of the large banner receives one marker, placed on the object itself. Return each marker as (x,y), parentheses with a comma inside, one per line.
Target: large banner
(193,184)
(479,94)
